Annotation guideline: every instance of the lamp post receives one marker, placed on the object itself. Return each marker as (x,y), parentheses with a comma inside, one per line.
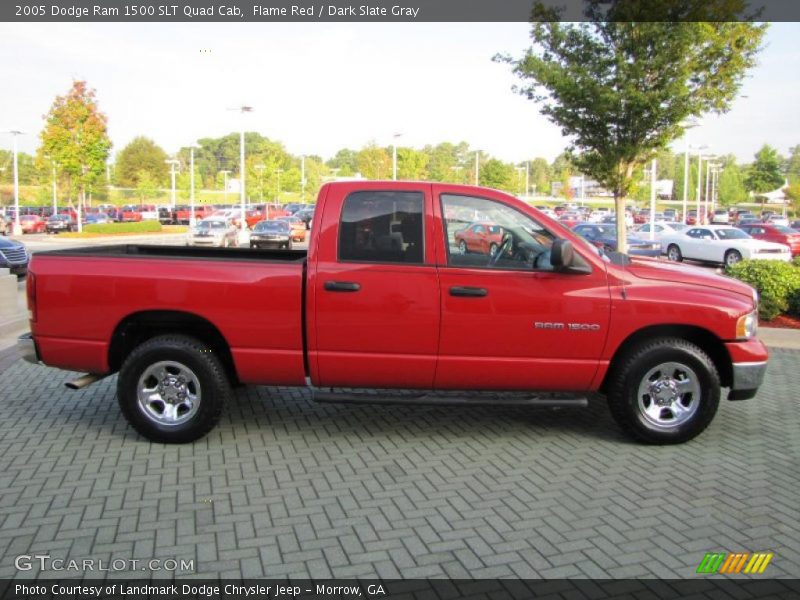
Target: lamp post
(242,109)
(172,164)
(653,167)
(225,174)
(527,179)
(477,166)
(278,196)
(303,178)
(519,171)
(394,155)
(17,227)
(690,124)
(55,190)
(260,168)
(192,218)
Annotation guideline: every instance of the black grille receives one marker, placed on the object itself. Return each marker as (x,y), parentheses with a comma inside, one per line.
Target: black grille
(16,256)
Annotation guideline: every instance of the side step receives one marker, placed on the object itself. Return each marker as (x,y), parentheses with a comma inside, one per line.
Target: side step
(388,397)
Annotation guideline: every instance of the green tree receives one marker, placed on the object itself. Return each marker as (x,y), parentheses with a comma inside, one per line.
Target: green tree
(731,185)
(539,176)
(146,185)
(764,175)
(622,84)
(412,164)
(141,155)
(75,137)
(345,161)
(496,174)
(793,165)
(374,162)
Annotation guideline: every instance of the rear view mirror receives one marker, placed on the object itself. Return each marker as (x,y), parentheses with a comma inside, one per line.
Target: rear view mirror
(562,254)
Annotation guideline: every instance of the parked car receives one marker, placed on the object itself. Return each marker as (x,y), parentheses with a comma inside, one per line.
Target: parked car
(97,218)
(32,224)
(373,307)
(297,226)
(660,229)
(720,217)
(213,231)
(14,256)
(166,216)
(271,234)
(780,234)
(795,225)
(483,238)
(60,223)
(605,237)
(672,215)
(306,216)
(5,225)
(129,213)
(720,244)
(775,219)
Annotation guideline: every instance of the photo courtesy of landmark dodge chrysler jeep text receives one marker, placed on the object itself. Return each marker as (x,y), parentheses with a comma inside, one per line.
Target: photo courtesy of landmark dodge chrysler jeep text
(387,298)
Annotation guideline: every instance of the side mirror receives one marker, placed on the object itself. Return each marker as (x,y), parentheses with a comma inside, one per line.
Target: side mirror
(561,254)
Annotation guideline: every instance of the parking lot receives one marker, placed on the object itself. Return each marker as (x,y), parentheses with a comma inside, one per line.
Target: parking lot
(288,488)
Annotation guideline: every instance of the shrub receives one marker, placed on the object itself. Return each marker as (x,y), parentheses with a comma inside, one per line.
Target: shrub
(132,227)
(796,261)
(778,284)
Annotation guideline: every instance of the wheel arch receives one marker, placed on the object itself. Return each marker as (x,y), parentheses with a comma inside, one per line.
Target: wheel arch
(703,338)
(139,327)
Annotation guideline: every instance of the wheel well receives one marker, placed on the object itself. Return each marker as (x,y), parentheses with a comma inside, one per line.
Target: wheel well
(140,327)
(702,338)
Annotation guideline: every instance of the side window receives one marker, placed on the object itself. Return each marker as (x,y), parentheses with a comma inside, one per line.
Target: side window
(694,233)
(382,227)
(514,240)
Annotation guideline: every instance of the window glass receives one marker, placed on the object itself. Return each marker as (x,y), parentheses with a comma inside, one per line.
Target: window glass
(513,240)
(382,227)
(732,234)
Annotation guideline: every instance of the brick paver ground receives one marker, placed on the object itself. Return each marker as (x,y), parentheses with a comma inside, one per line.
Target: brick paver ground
(288,488)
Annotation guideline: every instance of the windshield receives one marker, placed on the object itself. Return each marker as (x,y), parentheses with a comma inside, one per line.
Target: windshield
(211,225)
(272,226)
(783,229)
(732,234)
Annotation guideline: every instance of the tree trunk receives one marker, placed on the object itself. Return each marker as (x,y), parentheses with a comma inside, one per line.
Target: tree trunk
(622,229)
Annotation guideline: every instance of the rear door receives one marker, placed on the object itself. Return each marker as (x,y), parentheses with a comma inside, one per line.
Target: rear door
(510,321)
(373,288)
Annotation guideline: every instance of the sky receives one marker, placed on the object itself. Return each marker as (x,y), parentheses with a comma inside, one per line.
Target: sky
(319,87)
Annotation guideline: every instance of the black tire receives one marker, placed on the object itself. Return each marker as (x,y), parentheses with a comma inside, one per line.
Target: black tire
(212,388)
(462,248)
(732,257)
(674,253)
(252,245)
(492,250)
(664,362)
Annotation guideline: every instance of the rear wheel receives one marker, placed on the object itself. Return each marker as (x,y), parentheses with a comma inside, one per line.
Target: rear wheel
(462,247)
(732,257)
(492,250)
(664,392)
(172,388)
(674,253)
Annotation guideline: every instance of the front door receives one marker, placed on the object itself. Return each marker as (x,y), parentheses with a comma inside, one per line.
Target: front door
(373,316)
(509,321)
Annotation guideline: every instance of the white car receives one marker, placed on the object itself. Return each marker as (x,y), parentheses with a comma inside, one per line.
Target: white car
(214,231)
(720,244)
(661,229)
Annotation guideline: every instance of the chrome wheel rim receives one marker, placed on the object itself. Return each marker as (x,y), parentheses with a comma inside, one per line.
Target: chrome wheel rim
(492,250)
(168,393)
(732,258)
(668,395)
(462,247)
(673,253)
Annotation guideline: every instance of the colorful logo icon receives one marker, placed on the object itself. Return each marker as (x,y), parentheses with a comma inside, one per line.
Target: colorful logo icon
(725,563)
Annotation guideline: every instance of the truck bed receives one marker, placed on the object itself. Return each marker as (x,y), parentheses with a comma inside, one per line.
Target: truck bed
(182,252)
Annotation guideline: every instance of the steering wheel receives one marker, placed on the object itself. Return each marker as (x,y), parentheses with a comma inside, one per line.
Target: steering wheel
(508,239)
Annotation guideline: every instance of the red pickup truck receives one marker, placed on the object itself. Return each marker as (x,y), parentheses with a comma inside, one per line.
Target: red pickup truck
(384,298)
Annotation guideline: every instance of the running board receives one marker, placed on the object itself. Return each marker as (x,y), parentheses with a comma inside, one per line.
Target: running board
(543,400)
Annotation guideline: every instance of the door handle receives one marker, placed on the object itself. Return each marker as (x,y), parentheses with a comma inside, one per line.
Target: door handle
(468,292)
(342,286)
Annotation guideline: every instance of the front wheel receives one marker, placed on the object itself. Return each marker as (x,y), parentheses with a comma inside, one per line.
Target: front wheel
(732,257)
(172,388)
(674,253)
(664,392)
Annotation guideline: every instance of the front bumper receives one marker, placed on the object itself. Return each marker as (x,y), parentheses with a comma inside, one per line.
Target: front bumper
(748,366)
(26,346)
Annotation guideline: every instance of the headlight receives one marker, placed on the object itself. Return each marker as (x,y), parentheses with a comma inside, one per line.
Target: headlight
(747,326)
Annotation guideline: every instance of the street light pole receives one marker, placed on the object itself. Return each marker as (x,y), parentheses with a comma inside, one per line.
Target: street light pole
(303,178)
(192,218)
(394,156)
(698,221)
(172,164)
(260,169)
(653,167)
(242,109)
(278,197)
(477,166)
(519,171)
(225,174)
(527,178)
(55,190)
(17,227)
